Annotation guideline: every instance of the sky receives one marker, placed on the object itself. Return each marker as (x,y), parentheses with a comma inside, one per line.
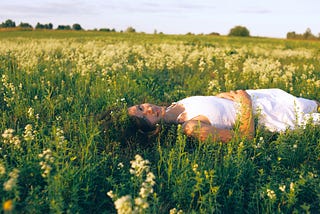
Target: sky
(266,18)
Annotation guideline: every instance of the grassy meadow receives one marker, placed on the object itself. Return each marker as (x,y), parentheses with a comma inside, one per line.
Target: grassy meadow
(68,146)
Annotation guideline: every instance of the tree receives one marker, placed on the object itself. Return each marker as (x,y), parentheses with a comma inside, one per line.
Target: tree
(44,26)
(49,26)
(214,34)
(105,29)
(25,25)
(130,30)
(308,34)
(76,27)
(291,35)
(64,27)
(8,24)
(239,31)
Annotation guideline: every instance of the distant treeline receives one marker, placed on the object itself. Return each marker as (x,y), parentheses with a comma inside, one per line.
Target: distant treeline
(9,24)
(26,26)
(306,35)
(240,31)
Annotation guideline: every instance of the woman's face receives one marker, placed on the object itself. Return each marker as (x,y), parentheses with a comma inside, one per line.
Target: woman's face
(150,112)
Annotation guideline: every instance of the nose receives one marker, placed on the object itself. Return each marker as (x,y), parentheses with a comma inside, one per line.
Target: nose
(131,110)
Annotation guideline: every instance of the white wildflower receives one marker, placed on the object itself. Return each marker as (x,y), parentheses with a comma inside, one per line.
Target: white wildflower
(59,135)
(120,165)
(282,188)
(123,205)
(9,138)
(2,169)
(139,202)
(9,91)
(111,194)
(8,134)
(139,168)
(271,194)
(139,165)
(45,164)
(195,167)
(28,133)
(291,187)
(175,211)
(12,182)
(30,113)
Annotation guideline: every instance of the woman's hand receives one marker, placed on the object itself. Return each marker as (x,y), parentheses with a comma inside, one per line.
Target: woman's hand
(239,96)
(245,114)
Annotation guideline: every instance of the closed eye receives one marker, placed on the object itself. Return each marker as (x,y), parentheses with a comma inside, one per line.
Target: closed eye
(140,108)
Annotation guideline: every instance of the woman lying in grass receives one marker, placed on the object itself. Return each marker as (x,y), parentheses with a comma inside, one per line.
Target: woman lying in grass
(216,116)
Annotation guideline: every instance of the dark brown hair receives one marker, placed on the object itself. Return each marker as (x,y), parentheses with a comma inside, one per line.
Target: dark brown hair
(143,124)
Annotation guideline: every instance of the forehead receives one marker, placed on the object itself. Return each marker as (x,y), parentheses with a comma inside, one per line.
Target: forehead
(146,105)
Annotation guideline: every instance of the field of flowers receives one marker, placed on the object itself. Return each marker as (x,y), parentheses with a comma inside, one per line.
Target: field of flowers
(68,146)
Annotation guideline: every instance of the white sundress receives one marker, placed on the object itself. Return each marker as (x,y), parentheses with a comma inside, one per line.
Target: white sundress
(276,109)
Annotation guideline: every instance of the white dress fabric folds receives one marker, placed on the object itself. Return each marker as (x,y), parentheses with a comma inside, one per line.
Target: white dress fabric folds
(276,110)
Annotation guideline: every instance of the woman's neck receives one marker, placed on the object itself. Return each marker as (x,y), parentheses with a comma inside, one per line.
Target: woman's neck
(172,113)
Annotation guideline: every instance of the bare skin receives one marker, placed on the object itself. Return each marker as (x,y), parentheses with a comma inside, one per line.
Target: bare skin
(151,112)
(200,127)
(246,127)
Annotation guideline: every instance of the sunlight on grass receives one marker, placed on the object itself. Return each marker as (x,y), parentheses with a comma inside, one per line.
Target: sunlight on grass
(66,139)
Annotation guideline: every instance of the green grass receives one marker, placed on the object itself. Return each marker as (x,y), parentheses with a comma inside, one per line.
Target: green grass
(64,157)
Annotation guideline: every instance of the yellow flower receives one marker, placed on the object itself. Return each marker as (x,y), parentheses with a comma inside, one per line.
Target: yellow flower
(8,206)
(271,194)
(282,188)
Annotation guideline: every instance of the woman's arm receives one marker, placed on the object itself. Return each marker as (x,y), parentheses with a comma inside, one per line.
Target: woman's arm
(202,129)
(245,114)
